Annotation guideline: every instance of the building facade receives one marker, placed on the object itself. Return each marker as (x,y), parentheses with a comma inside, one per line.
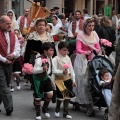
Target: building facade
(16,5)
(95,6)
(66,6)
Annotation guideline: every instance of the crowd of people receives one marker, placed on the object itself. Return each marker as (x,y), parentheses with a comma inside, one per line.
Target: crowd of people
(55,76)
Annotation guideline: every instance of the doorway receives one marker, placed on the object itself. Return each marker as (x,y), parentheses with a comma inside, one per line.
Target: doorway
(69,6)
(100,7)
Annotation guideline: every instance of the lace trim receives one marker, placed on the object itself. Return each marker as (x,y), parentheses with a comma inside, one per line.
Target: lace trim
(82,37)
(36,37)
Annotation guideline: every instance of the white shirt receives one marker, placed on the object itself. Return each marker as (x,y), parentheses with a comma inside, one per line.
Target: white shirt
(118,23)
(16,25)
(25,22)
(16,49)
(38,65)
(86,16)
(56,29)
(70,34)
(115,20)
(57,71)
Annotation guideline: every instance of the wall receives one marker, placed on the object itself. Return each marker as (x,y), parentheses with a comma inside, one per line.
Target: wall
(1,7)
(79,5)
(27,4)
(52,3)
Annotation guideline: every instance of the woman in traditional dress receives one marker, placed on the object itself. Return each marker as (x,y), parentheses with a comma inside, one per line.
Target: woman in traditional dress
(14,24)
(56,25)
(35,41)
(86,41)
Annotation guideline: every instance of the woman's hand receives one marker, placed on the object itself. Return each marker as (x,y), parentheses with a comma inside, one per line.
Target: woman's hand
(74,84)
(88,52)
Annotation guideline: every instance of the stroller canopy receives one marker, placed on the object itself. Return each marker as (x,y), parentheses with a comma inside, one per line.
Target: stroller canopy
(100,62)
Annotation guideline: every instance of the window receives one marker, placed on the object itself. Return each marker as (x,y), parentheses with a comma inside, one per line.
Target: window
(43,2)
(16,7)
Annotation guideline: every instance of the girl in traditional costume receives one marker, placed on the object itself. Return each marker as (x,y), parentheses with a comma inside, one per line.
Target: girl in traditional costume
(14,24)
(17,64)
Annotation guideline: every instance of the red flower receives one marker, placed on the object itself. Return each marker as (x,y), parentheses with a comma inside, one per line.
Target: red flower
(63,29)
(55,37)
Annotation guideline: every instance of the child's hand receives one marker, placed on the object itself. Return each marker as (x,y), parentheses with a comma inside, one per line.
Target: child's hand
(65,72)
(74,84)
(45,67)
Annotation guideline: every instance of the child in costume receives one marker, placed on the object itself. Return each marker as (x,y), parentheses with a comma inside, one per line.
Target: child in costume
(17,64)
(64,79)
(42,83)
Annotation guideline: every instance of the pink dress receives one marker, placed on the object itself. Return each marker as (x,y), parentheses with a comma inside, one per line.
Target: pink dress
(83,46)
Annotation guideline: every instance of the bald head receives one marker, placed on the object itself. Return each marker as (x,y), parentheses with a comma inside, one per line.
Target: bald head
(5,23)
(4,18)
(26,12)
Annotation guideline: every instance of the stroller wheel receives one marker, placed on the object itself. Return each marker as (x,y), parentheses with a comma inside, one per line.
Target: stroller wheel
(106,111)
(105,116)
(90,113)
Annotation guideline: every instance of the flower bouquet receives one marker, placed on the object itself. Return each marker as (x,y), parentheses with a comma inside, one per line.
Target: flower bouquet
(105,43)
(27,68)
(66,66)
(62,30)
(61,34)
(44,62)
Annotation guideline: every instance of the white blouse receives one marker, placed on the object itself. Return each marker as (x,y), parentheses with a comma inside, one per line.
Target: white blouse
(56,29)
(38,65)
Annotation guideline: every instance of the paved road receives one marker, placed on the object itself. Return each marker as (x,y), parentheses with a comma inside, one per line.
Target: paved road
(24,110)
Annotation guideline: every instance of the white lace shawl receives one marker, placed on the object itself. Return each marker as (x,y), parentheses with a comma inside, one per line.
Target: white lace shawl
(84,38)
(35,36)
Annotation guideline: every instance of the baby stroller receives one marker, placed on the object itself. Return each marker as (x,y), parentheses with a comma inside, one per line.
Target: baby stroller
(97,63)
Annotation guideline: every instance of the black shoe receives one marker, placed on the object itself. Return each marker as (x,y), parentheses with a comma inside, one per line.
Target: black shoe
(9,111)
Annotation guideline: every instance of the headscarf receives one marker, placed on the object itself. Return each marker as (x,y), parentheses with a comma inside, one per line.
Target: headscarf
(14,24)
(58,20)
(13,18)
